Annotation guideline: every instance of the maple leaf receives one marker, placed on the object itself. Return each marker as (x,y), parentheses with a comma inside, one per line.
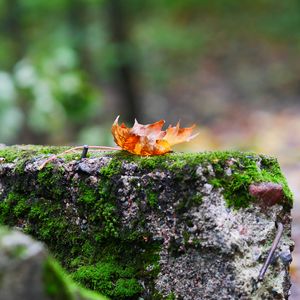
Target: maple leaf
(150,139)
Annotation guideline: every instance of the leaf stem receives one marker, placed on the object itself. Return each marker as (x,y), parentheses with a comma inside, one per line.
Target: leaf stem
(78,148)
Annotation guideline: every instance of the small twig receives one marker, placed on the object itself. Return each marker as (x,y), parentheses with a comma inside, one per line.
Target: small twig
(100,148)
(265,266)
(84,151)
(78,148)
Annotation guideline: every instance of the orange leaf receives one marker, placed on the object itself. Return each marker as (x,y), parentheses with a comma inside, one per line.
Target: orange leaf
(149,139)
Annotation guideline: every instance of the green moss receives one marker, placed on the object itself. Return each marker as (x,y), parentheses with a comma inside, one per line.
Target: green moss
(117,268)
(126,288)
(197,199)
(273,171)
(109,278)
(109,263)
(59,286)
(113,168)
(235,187)
(171,297)
(102,202)
(12,208)
(51,180)
(186,236)
(152,198)
(36,214)
(86,195)
(216,182)
(10,154)
(38,217)
(159,296)
(245,171)
(56,283)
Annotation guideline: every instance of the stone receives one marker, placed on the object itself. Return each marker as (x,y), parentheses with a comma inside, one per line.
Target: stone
(177,226)
(27,271)
(21,266)
(268,193)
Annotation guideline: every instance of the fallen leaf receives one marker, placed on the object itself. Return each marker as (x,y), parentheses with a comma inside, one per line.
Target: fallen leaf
(150,139)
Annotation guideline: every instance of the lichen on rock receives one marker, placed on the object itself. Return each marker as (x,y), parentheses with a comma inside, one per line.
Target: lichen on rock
(177,226)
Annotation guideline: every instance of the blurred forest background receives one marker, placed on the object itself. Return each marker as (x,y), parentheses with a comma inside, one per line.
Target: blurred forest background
(69,67)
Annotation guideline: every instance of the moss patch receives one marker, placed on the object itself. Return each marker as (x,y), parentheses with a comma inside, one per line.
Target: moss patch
(152,198)
(58,285)
(245,170)
(13,153)
(243,165)
(109,278)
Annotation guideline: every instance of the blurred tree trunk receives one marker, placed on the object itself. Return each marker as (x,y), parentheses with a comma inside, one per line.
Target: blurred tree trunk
(11,27)
(125,68)
(124,71)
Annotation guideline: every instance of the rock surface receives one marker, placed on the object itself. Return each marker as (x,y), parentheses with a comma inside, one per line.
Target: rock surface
(179,226)
(28,273)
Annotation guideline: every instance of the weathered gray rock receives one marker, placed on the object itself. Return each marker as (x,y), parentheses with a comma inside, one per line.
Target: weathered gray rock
(179,226)
(21,266)
(28,273)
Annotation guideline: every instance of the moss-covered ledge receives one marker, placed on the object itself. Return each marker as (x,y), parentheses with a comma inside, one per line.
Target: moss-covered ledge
(130,226)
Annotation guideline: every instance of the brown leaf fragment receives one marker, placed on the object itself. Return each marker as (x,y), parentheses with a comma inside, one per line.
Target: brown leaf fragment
(269,193)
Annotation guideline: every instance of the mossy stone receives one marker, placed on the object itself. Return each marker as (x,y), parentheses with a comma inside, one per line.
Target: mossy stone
(81,222)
